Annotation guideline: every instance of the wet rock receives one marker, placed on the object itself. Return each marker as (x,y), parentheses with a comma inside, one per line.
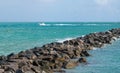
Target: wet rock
(66,42)
(9,70)
(70,64)
(3,58)
(84,53)
(82,60)
(30,56)
(36,53)
(21,64)
(36,63)
(2,62)
(76,43)
(21,54)
(26,68)
(36,69)
(19,71)
(12,56)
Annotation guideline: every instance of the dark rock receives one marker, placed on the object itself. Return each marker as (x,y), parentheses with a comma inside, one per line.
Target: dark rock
(82,60)
(3,58)
(85,53)
(19,71)
(21,64)
(36,69)
(21,54)
(36,63)
(2,62)
(10,55)
(9,70)
(36,53)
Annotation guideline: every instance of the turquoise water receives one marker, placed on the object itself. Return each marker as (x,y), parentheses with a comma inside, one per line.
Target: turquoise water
(15,37)
(103,60)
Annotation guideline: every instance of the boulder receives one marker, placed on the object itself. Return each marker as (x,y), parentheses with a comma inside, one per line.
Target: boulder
(84,53)
(36,69)
(70,64)
(2,70)
(19,71)
(82,60)
(4,58)
(2,62)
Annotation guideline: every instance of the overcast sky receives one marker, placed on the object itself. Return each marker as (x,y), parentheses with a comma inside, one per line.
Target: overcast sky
(60,10)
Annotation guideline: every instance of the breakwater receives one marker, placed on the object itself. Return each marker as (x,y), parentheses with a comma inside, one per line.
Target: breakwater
(53,57)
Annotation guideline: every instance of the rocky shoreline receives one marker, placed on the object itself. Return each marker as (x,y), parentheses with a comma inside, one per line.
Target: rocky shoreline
(55,56)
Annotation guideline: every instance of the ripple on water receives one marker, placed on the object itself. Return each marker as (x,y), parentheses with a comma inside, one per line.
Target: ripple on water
(104,60)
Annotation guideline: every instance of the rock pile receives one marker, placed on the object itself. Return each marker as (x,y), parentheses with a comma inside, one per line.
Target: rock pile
(54,57)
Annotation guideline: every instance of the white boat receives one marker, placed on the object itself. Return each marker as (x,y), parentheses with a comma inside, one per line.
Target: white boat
(42,24)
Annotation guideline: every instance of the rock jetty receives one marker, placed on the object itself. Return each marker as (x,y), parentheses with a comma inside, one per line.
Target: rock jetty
(55,56)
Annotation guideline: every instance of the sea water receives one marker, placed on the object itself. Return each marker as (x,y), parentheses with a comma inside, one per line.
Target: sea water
(103,60)
(18,36)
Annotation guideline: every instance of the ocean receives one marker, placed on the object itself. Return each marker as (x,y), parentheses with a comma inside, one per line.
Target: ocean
(18,36)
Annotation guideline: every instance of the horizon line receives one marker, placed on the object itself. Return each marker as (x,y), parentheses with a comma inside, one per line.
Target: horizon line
(60,22)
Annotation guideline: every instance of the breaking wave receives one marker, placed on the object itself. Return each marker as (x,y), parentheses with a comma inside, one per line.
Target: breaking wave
(72,24)
(68,38)
(62,40)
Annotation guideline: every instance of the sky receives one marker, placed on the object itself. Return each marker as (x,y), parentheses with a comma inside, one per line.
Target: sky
(59,10)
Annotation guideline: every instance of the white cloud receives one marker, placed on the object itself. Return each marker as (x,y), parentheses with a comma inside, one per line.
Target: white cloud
(102,2)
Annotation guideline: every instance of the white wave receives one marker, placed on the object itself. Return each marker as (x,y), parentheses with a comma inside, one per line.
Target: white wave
(62,40)
(48,24)
(64,24)
(95,48)
(72,24)
(114,38)
(82,35)
(96,24)
(42,24)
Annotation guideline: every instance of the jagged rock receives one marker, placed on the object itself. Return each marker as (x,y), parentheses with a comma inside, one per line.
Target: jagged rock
(84,53)
(2,62)
(70,64)
(21,54)
(11,57)
(21,64)
(36,63)
(26,68)
(82,60)
(36,69)
(3,58)
(19,71)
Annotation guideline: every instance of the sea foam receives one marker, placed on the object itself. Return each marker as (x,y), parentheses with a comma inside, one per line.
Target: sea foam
(62,40)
